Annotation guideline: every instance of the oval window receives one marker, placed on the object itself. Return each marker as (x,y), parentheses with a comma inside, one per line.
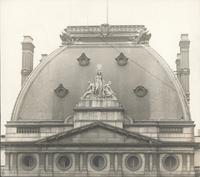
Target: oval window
(98,162)
(133,162)
(64,162)
(28,162)
(170,162)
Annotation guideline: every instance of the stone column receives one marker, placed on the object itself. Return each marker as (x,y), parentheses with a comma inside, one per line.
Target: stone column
(112,162)
(156,162)
(77,161)
(49,162)
(150,162)
(184,162)
(188,162)
(14,162)
(147,162)
(119,162)
(7,161)
(85,161)
(41,161)
(191,162)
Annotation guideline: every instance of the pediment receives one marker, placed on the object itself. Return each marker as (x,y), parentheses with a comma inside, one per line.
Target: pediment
(97,133)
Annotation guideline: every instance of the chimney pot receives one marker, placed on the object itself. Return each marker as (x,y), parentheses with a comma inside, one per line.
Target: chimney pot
(184,37)
(28,39)
(27,58)
(43,55)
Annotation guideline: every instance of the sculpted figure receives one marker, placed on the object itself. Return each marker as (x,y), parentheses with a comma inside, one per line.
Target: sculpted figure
(107,90)
(90,90)
(99,82)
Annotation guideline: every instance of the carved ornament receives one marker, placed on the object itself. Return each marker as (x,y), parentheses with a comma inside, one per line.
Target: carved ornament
(83,60)
(140,91)
(144,37)
(61,91)
(137,34)
(122,60)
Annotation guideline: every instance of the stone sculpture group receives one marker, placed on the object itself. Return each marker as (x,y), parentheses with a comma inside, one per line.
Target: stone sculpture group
(99,89)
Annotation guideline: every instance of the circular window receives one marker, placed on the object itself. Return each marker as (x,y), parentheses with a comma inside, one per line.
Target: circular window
(28,162)
(98,162)
(133,162)
(64,162)
(140,91)
(170,162)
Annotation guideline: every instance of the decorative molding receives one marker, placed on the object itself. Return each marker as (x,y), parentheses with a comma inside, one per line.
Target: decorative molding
(140,91)
(137,34)
(83,60)
(105,30)
(122,60)
(28,130)
(61,91)
(170,130)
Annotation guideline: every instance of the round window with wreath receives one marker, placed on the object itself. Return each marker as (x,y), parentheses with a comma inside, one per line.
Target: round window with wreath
(28,162)
(64,162)
(98,162)
(170,162)
(133,162)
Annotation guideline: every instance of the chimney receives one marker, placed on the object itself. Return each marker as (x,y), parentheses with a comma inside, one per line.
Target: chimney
(43,56)
(27,58)
(184,64)
(178,66)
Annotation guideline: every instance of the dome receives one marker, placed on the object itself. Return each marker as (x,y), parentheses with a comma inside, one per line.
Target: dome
(142,81)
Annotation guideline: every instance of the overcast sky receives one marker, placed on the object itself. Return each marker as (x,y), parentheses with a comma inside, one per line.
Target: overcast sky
(45,19)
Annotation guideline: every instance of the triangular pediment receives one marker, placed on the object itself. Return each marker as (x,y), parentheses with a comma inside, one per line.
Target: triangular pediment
(97,133)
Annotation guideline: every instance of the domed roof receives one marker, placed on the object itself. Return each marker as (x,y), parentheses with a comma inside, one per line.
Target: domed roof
(142,81)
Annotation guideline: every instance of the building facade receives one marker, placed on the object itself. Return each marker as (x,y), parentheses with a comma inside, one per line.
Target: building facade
(103,104)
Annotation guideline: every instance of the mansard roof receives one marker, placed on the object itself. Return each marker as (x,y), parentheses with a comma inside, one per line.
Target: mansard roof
(161,98)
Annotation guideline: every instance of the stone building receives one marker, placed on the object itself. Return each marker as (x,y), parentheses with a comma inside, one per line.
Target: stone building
(103,104)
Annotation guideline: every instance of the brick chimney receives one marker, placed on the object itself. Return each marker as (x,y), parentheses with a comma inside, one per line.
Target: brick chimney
(27,58)
(178,66)
(184,64)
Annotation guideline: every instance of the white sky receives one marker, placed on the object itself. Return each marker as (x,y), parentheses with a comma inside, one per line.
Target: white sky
(45,19)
